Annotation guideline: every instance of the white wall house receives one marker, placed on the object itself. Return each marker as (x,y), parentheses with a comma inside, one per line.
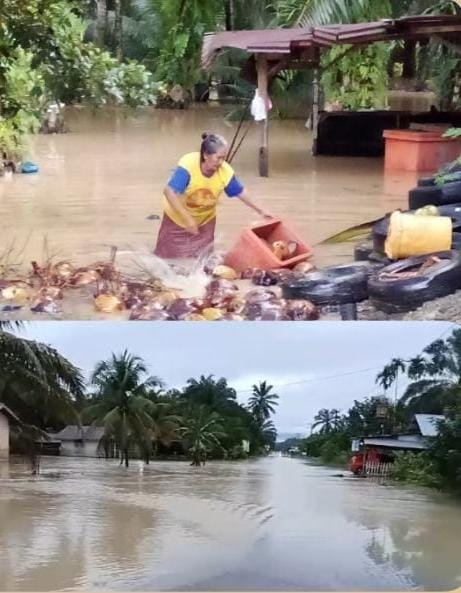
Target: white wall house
(6,416)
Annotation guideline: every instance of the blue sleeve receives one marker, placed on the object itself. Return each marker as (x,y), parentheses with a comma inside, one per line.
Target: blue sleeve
(234,188)
(179,180)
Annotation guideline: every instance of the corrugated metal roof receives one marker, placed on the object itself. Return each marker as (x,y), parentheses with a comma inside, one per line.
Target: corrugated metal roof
(427,424)
(286,41)
(76,433)
(396,443)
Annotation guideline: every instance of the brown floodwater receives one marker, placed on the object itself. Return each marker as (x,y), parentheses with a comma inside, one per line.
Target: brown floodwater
(276,523)
(99,183)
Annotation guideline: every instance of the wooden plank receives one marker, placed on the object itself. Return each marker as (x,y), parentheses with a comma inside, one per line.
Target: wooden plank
(261,66)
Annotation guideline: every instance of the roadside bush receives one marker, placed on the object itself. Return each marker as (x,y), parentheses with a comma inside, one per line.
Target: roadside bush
(415,468)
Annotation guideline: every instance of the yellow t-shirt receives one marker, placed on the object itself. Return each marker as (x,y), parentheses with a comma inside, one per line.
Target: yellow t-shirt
(200,193)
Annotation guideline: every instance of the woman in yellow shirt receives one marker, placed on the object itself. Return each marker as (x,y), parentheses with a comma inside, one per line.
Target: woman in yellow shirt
(191,197)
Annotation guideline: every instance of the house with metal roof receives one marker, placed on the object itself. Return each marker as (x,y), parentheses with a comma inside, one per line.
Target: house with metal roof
(6,417)
(375,454)
(79,441)
(422,429)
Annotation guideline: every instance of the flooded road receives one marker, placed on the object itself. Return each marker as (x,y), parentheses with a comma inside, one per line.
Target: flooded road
(98,184)
(271,524)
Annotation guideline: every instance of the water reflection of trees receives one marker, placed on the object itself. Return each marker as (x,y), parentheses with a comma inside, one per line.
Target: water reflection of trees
(417,536)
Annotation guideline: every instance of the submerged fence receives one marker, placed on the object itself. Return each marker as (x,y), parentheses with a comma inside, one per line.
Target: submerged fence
(377,469)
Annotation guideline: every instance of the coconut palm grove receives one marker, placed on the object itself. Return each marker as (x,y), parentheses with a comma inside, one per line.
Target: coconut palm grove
(143,419)
(140,417)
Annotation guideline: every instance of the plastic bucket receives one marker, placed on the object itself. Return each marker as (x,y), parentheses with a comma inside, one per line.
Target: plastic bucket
(252,248)
(411,235)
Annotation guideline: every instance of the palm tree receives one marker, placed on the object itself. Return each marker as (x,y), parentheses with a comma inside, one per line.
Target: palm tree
(209,392)
(121,403)
(202,432)
(269,433)
(165,426)
(307,13)
(118,28)
(262,402)
(327,420)
(101,21)
(37,383)
(435,375)
(323,12)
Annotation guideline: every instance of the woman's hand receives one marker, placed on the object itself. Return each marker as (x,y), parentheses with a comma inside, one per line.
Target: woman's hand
(266,215)
(246,200)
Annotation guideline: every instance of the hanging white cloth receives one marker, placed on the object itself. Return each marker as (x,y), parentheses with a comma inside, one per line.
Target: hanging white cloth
(260,107)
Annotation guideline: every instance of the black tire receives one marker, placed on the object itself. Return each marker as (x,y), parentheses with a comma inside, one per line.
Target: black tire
(336,285)
(426,181)
(401,295)
(362,251)
(453,167)
(456,242)
(451,191)
(424,196)
(454,212)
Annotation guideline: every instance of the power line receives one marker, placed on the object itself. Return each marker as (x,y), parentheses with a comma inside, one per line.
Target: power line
(451,327)
(303,381)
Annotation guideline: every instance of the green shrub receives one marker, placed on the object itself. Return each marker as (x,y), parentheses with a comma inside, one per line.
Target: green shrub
(414,468)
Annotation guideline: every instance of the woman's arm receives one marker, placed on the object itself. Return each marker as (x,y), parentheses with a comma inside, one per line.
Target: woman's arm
(243,197)
(175,200)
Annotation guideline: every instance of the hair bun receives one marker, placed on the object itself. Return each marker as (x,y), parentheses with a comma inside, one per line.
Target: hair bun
(205,135)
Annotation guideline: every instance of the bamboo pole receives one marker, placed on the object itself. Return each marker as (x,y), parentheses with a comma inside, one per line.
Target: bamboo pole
(261,65)
(315,111)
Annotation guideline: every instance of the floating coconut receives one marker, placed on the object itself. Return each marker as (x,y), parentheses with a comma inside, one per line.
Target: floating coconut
(108,303)
(63,270)
(194,317)
(220,291)
(260,295)
(284,249)
(212,313)
(83,277)
(232,317)
(301,310)
(179,309)
(225,272)
(147,313)
(15,293)
(45,305)
(265,311)
(264,278)
(52,292)
(212,262)
(235,305)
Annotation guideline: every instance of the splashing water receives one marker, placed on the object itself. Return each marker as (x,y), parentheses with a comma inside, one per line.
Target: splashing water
(186,276)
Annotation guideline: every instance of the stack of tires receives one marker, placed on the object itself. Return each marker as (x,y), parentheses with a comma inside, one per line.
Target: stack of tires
(394,287)
(429,192)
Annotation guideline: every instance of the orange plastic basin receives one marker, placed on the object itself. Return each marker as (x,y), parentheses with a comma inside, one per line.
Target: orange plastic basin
(410,150)
(252,249)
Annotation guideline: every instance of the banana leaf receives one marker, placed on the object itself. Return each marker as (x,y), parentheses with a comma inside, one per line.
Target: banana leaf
(353,234)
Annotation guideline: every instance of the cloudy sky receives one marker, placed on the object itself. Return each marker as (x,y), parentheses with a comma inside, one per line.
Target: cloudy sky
(312,365)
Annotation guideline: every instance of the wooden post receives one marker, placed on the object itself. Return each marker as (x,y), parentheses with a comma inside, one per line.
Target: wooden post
(315,111)
(261,64)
